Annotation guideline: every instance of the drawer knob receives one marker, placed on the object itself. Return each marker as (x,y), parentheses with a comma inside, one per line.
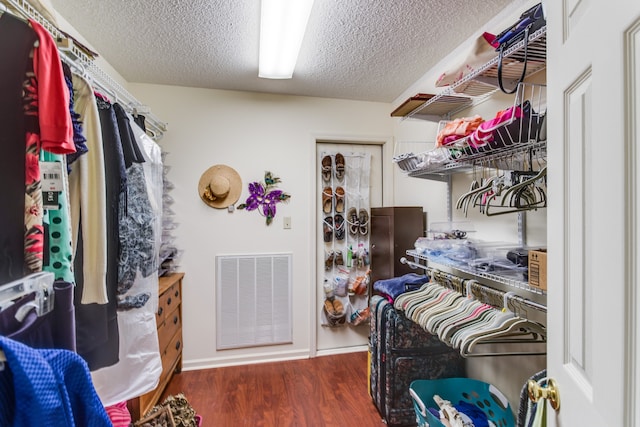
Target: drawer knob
(177,345)
(169,301)
(177,293)
(175,320)
(160,311)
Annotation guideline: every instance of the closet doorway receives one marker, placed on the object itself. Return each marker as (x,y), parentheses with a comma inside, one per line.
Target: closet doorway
(352,184)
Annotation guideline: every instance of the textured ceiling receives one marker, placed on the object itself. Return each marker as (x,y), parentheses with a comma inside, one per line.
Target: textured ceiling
(354,49)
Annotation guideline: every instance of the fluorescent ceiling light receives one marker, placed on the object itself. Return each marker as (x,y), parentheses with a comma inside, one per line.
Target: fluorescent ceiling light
(282,27)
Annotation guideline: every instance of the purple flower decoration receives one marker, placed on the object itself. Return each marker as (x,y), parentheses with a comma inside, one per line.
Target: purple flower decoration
(264,197)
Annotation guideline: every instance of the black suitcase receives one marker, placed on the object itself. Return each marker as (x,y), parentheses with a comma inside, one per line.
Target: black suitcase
(402,351)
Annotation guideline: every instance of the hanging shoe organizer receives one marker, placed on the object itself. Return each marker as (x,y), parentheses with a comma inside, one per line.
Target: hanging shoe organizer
(345,234)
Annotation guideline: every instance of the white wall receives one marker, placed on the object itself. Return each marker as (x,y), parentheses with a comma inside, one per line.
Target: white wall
(252,133)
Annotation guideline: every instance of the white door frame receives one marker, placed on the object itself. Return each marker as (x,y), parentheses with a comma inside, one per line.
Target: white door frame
(387,199)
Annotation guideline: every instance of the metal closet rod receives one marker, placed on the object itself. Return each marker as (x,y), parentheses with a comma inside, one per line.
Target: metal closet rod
(458,282)
(79,60)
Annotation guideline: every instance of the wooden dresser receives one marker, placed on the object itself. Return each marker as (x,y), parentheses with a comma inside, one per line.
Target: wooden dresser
(169,322)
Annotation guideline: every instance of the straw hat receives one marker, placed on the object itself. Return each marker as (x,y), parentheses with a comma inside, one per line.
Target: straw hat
(220,186)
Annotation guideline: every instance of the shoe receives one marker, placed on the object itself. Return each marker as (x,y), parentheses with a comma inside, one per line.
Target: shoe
(328,306)
(327,228)
(328,262)
(363,222)
(327,200)
(326,168)
(339,167)
(338,307)
(339,194)
(352,219)
(339,226)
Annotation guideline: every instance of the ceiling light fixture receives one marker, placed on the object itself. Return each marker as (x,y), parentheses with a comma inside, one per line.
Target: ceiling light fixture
(282,27)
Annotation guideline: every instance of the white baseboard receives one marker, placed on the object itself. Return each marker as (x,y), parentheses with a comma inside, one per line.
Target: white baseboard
(342,350)
(219,362)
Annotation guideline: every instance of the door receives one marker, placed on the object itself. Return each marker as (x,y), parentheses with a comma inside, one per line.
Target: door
(362,185)
(593,75)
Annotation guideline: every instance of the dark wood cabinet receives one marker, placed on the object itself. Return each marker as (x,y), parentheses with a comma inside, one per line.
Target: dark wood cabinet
(393,231)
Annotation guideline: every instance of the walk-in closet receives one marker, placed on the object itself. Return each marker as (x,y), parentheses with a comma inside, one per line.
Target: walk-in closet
(427,216)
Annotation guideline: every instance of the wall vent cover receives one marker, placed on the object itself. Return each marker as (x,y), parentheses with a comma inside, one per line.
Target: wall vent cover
(253,300)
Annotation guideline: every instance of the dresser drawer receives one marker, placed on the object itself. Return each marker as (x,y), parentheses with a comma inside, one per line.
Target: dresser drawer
(167,329)
(168,301)
(171,354)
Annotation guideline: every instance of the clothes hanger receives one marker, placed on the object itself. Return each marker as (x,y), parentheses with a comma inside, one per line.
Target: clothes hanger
(466,305)
(527,330)
(41,283)
(463,200)
(403,300)
(500,317)
(408,300)
(541,174)
(524,198)
(437,317)
(445,332)
(450,303)
(415,313)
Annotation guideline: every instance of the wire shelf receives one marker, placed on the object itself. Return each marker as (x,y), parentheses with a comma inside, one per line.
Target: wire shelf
(483,82)
(505,280)
(83,62)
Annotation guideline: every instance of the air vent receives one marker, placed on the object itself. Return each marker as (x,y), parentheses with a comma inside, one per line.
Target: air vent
(253,300)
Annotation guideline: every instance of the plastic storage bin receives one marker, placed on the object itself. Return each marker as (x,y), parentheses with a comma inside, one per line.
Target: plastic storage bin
(483,395)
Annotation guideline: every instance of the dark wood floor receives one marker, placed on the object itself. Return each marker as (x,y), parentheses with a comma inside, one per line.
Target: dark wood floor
(323,391)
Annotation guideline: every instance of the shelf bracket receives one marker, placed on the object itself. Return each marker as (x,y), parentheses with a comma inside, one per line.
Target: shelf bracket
(449,199)
(522,228)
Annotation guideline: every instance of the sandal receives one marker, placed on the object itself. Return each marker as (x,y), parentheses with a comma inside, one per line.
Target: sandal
(339,199)
(352,219)
(339,226)
(364,222)
(339,166)
(327,200)
(327,228)
(326,168)
(328,262)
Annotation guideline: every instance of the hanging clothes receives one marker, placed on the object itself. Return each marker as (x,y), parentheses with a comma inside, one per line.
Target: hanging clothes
(139,366)
(15,63)
(137,239)
(48,388)
(87,194)
(79,139)
(51,130)
(97,324)
(58,256)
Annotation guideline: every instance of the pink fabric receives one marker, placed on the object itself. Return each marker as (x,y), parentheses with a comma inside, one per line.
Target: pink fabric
(484,133)
(457,129)
(119,414)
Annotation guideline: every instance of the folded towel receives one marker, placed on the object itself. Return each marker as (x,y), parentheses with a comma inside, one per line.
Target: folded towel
(399,285)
